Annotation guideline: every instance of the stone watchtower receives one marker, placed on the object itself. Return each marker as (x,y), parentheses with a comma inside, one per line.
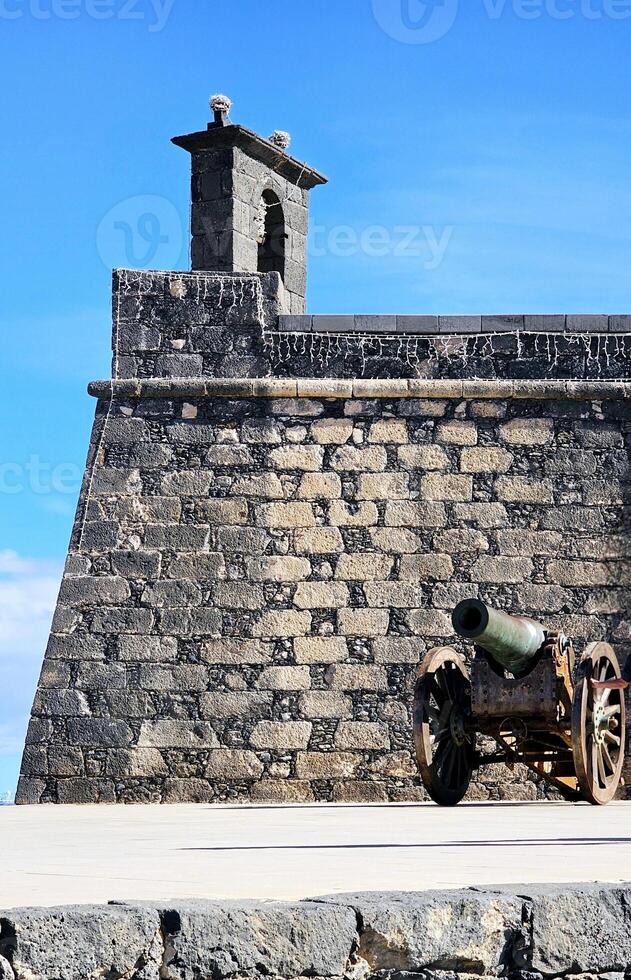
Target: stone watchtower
(280,511)
(250,202)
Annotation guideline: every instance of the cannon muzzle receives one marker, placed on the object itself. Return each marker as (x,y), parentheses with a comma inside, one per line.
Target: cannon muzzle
(512,641)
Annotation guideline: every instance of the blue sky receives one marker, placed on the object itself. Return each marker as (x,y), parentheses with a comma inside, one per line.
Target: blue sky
(478,156)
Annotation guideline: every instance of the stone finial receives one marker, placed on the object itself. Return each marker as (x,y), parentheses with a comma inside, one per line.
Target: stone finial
(221,106)
(281,139)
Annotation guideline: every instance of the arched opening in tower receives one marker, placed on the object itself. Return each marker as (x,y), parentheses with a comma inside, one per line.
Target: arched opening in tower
(272,237)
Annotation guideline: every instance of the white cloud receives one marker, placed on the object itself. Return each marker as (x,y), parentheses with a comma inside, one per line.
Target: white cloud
(13,564)
(28,592)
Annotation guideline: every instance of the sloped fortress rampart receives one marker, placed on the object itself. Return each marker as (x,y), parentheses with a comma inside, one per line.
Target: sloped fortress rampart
(280,511)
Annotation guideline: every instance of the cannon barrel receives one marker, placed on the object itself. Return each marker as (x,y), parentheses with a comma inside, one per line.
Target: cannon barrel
(512,641)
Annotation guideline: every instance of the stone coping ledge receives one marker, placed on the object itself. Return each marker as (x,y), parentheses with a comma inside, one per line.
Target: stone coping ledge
(365,388)
(396,324)
(532,931)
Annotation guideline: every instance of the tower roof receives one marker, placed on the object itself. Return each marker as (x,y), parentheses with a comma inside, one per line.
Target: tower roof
(222,134)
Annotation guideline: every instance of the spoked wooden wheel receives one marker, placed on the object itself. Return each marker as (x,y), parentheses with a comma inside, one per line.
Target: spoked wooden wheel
(442,709)
(598,725)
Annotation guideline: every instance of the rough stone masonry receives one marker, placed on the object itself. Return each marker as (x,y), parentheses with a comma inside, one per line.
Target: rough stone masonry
(280,511)
(533,933)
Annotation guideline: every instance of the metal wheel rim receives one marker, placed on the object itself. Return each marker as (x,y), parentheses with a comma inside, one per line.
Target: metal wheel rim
(598,748)
(446,770)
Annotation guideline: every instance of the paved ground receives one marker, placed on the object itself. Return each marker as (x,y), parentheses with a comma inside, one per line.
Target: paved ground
(62,855)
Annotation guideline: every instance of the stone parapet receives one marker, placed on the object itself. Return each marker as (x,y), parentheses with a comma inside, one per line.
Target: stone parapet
(411,324)
(206,325)
(532,931)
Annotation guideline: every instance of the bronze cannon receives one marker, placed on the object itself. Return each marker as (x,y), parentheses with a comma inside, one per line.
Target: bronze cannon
(523,689)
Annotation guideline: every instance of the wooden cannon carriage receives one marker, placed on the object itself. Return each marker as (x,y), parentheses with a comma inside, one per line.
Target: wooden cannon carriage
(563,720)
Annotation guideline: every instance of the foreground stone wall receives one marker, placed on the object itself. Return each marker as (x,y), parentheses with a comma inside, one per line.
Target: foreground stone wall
(254,577)
(529,933)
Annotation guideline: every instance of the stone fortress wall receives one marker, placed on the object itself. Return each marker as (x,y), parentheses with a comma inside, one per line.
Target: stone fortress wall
(270,536)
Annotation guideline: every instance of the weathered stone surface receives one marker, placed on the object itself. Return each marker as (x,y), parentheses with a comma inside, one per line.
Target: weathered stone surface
(359,791)
(297,458)
(345,514)
(577,929)
(349,677)
(82,941)
(278,568)
(389,430)
(415,514)
(483,515)
(551,931)
(460,541)
(321,595)
(266,485)
(292,515)
(326,765)
(135,762)
(282,623)
(319,541)
(281,735)
(282,791)
(320,486)
(501,570)
(234,704)
(423,457)
(457,433)
(393,595)
(436,486)
(220,940)
(235,652)
(356,459)
(527,432)
(419,568)
(320,649)
(485,459)
(398,650)
(168,733)
(332,431)
(520,489)
(191,790)
(284,679)
(233,764)
(89,590)
(383,486)
(395,540)
(324,704)
(466,931)
(366,567)
(363,622)
(362,735)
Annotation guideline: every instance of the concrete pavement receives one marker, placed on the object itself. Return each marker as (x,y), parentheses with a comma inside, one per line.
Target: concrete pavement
(65,855)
